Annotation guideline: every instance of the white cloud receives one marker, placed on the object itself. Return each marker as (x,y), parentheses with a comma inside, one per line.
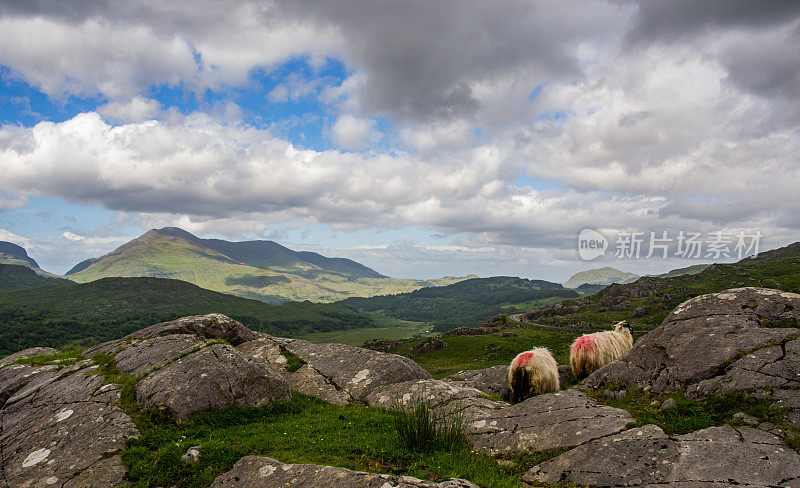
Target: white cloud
(354,133)
(137,109)
(72,236)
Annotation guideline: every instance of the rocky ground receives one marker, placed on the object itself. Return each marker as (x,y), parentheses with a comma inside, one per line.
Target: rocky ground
(64,425)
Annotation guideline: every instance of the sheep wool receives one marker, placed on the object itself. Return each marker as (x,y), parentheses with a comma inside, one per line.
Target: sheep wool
(591,352)
(532,373)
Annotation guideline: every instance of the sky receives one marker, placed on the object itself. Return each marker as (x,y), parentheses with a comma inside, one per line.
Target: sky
(420,138)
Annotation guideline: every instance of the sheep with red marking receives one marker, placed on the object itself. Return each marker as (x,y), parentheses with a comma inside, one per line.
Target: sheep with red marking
(532,373)
(591,352)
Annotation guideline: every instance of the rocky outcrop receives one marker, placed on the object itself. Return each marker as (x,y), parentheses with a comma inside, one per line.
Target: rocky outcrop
(743,339)
(544,422)
(60,426)
(703,337)
(647,457)
(492,381)
(261,472)
(211,326)
(213,378)
(336,373)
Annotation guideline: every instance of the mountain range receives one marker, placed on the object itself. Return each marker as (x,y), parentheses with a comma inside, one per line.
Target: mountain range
(600,276)
(263,270)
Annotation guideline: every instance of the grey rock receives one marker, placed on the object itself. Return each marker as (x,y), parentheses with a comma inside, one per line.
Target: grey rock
(745,419)
(143,355)
(27,353)
(717,456)
(668,403)
(442,396)
(697,342)
(492,381)
(212,378)
(261,472)
(305,380)
(77,422)
(192,455)
(105,472)
(566,376)
(353,370)
(211,326)
(554,420)
(15,377)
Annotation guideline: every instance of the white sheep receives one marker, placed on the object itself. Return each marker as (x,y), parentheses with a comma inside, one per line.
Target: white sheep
(532,373)
(591,352)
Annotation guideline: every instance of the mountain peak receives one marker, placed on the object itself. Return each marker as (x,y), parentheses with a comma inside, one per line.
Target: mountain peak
(11,253)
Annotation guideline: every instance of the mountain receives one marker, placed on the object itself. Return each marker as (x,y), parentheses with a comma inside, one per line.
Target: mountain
(11,253)
(466,303)
(14,276)
(600,276)
(648,300)
(109,308)
(263,270)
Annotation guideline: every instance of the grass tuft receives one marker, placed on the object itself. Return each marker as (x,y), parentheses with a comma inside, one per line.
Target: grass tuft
(65,358)
(423,428)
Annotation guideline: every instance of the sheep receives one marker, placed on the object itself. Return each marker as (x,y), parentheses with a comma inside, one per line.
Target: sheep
(532,373)
(591,352)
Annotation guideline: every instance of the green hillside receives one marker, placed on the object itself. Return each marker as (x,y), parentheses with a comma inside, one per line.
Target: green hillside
(466,303)
(648,300)
(600,276)
(693,269)
(263,270)
(14,276)
(84,314)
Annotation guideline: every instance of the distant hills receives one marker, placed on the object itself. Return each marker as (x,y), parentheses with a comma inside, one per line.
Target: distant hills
(109,308)
(15,276)
(466,303)
(261,269)
(600,276)
(648,300)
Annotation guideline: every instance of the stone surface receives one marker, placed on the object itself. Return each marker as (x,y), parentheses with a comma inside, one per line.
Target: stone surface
(709,337)
(211,326)
(106,472)
(335,370)
(647,457)
(440,395)
(215,377)
(60,426)
(493,381)
(192,455)
(261,472)
(554,420)
(142,356)
(27,353)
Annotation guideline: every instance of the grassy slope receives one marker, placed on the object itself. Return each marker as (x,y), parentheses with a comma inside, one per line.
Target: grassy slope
(467,303)
(170,257)
(14,276)
(646,302)
(94,312)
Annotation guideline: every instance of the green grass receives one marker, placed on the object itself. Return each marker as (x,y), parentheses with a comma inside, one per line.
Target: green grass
(64,358)
(476,352)
(387,328)
(305,430)
(421,428)
(690,414)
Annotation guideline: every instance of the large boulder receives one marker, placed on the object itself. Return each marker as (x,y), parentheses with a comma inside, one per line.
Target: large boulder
(213,378)
(739,339)
(62,428)
(27,353)
(334,372)
(210,326)
(647,457)
(492,381)
(262,472)
(550,421)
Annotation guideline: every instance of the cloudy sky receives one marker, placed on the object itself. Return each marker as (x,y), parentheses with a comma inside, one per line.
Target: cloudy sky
(420,138)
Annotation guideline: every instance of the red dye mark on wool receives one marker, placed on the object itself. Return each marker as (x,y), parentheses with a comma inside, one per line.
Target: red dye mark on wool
(523,359)
(586,344)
